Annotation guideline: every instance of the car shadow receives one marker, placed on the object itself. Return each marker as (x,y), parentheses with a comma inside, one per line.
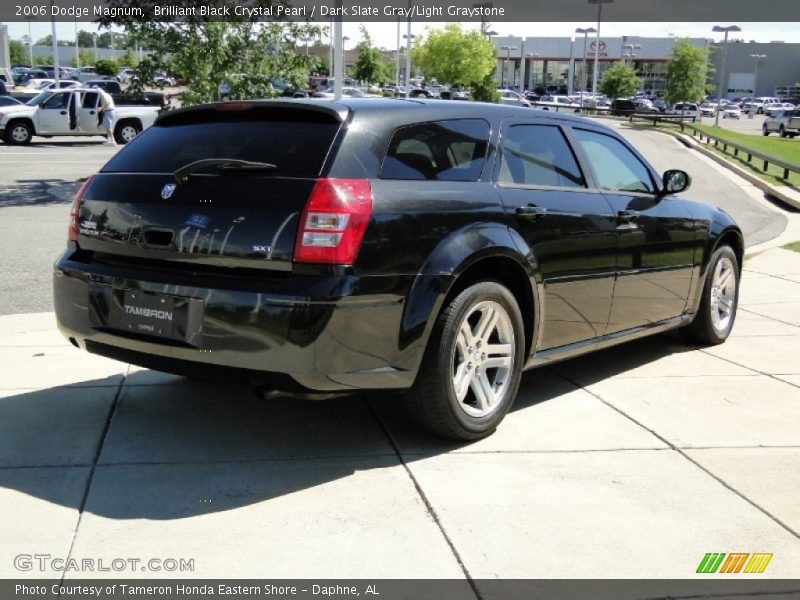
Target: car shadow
(38,192)
(162,447)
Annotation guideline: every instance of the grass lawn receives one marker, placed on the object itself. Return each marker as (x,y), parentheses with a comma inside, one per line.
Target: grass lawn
(784,149)
(795,246)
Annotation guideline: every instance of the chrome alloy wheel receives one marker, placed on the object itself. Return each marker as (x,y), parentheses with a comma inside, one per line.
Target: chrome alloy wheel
(483,359)
(723,294)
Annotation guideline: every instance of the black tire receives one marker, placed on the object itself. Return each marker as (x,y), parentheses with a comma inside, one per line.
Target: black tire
(18,133)
(126,131)
(433,402)
(764,129)
(704,329)
(782,132)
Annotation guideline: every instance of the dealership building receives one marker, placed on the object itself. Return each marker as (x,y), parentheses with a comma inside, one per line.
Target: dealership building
(557,64)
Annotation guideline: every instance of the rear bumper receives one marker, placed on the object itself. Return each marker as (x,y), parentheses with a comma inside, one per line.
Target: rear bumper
(344,335)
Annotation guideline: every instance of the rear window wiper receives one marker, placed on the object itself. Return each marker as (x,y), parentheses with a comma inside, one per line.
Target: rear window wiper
(224,164)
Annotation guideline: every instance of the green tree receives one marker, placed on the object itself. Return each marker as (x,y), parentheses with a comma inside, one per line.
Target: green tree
(244,56)
(619,81)
(458,58)
(128,59)
(106,66)
(369,65)
(18,52)
(686,72)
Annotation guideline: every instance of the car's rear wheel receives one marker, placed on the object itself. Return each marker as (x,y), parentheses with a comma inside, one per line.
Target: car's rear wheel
(126,131)
(764,129)
(471,370)
(782,131)
(714,319)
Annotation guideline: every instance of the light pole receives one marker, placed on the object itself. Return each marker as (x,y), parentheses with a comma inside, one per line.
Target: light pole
(484,5)
(597,42)
(77,47)
(397,60)
(30,41)
(726,31)
(408,37)
(508,50)
(94,44)
(584,79)
(56,70)
(756,57)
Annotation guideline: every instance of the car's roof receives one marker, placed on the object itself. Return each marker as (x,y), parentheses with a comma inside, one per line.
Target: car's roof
(398,110)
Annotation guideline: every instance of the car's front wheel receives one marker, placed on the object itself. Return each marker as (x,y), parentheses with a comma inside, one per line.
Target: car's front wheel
(764,129)
(18,132)
(714,319)
(471,370)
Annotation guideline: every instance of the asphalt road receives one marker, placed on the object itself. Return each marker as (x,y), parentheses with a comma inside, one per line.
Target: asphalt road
(37,181)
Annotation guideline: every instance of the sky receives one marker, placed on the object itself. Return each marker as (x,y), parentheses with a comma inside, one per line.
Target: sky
(384,34)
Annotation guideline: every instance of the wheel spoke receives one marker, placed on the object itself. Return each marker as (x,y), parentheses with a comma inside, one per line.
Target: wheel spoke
(494,349)
(725,305)
(486,324)
(462,380)
(497,362)
(463,342)
(465,335)
(723,279)
(479,390)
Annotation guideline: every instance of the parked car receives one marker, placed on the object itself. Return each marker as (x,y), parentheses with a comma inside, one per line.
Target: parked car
(328,263)
(71,112)
(347,92)
(126,74)
(760,104)
(643,105)
(9,101)
(731,111)
(108,85)
(512,98)
(687,109)
(774,108)
(622,107)
(708,110)
(85,74)
(785,123)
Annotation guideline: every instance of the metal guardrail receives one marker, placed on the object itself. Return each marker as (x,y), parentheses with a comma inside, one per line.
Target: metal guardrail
(655,117)
(737,148)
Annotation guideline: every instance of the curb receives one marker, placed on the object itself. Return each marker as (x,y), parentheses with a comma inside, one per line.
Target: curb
(785,196)
(792,230)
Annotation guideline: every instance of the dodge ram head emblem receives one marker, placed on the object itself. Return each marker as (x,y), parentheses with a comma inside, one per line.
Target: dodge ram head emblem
(167,190)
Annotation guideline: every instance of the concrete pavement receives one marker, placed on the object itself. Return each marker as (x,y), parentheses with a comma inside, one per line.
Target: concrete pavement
(633,462)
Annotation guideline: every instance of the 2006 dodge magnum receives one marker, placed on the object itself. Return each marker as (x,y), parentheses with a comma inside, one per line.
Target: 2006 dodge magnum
(318,248)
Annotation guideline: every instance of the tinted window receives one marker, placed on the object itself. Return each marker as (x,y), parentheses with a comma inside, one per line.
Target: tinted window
(298,147)
(616,167)
(57,101)
(443,150)
(89,100)
(538,155)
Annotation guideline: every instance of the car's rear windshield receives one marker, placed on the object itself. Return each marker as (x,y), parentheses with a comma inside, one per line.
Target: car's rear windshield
(296,146)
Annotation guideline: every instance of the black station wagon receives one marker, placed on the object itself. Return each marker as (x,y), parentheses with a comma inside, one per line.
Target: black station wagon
(317,248)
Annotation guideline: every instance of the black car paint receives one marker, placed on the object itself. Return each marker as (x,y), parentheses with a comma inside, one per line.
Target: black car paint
(330,329)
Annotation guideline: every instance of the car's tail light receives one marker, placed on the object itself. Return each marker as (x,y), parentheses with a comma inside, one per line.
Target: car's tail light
(75,211)
(333,221)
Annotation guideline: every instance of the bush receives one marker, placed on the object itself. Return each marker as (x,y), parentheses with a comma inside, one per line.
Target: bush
(106,67)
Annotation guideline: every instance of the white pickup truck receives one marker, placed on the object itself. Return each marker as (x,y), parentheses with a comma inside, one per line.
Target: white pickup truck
(70,112)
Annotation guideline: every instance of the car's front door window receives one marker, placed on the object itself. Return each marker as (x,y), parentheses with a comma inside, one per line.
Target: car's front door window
(616,167)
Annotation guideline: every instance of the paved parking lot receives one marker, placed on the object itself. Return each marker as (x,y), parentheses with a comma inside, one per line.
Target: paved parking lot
(653,451)
(634,462)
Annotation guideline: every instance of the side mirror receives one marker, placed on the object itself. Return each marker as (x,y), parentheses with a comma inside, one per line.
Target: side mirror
(675,181)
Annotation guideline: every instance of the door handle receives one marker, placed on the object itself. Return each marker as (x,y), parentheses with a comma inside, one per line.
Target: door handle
(531,211)
(91,112)
(628,216)
(63,112)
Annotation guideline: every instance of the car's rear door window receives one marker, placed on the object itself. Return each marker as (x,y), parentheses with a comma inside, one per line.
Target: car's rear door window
(538,155)
(440,150)
(296,141)
(615,166)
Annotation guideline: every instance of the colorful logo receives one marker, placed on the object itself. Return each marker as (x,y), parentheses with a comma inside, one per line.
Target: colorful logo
(735,562)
